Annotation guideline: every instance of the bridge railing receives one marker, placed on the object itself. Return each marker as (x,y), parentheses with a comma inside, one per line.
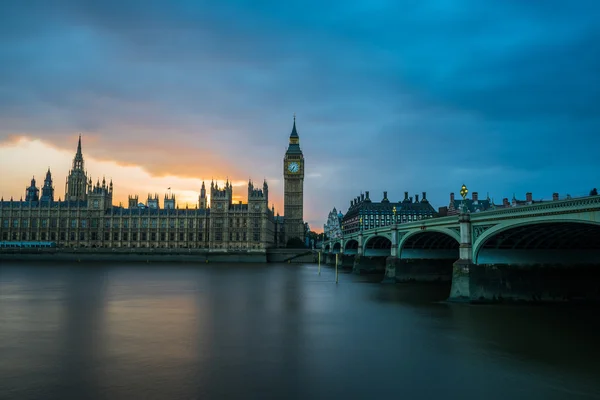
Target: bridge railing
(588,201)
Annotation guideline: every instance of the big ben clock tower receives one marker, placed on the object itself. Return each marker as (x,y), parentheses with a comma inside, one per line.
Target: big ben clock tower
(293,189)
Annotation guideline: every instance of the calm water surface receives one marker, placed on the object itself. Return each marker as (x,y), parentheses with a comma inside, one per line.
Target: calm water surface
(181,331)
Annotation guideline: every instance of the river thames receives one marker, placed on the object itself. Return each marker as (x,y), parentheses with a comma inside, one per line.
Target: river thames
(218,331)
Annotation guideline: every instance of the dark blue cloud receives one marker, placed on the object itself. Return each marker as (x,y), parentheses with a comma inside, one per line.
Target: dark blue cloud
(390,95)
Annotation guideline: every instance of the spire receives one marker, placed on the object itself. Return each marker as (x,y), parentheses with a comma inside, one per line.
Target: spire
(294,133)
(78,160)
(79,147)
(48,174)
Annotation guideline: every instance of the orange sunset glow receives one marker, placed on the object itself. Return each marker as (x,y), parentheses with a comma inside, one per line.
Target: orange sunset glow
(184,179)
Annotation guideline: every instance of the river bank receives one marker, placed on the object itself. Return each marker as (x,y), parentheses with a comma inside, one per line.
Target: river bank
(157,255)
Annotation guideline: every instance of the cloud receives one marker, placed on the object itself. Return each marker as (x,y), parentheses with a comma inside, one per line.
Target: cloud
(417,96)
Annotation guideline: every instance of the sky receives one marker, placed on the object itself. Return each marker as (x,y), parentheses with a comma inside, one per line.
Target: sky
(417,96)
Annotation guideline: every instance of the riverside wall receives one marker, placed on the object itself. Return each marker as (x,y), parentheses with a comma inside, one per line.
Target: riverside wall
(158,255)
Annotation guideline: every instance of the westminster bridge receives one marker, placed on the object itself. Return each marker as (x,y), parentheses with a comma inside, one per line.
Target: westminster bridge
(548,251)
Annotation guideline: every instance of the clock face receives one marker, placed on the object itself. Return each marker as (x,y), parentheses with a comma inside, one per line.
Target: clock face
(293,167)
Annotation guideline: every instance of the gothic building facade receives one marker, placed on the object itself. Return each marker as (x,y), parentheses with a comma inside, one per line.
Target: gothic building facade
(87,218)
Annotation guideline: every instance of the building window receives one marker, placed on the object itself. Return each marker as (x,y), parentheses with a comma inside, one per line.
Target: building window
(84,223)
(125,236)
(107,223)
(171,223)
(15,223)
(126,223)
(94,235)
(34,223)
(153,236)
(163,223)
(171,236)
(218,236)
(154,223)
(134,236)
(116,236)
(181,224)
(53,223)
(144,236)
(256,236)
(72,236)
(44,223)
(181,236)
(162,237)
(144,223)
(96,204)
(106,236)
(73,223)
(115,223)
(33,236)
(191,237)
(5,223)
(200,237)
(52,235)
(44,236)
(82,236)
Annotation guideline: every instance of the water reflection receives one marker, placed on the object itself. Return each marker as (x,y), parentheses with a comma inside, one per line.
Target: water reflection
(276,331)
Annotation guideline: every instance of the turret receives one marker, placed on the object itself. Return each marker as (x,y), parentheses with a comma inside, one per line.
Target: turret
(48,189)
(202,199)
(132,201)
(32,193)
(153,201)
(169,202)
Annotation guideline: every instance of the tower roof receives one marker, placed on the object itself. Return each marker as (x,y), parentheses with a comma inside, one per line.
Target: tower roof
(294,146)
(294,133)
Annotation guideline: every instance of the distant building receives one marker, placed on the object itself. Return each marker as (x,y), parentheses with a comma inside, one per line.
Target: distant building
(333,227)
(377,214)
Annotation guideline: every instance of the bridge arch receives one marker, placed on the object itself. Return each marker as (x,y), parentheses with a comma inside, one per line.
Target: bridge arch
(434,243)
(351,247)
(327,248)
(377,246)
(545,241)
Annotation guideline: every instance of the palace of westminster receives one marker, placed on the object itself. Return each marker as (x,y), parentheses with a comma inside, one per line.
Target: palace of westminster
(87,217)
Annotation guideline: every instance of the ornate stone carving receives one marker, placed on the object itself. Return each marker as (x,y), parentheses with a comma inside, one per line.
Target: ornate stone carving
(478,230)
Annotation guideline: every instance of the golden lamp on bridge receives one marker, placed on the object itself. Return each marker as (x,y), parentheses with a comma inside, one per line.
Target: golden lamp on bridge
(464,191)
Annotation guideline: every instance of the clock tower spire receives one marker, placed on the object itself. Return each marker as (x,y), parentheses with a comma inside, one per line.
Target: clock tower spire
(293,199)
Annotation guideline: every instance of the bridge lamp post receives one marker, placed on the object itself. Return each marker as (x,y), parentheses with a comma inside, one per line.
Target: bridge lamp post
(394,211)
(463,192)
